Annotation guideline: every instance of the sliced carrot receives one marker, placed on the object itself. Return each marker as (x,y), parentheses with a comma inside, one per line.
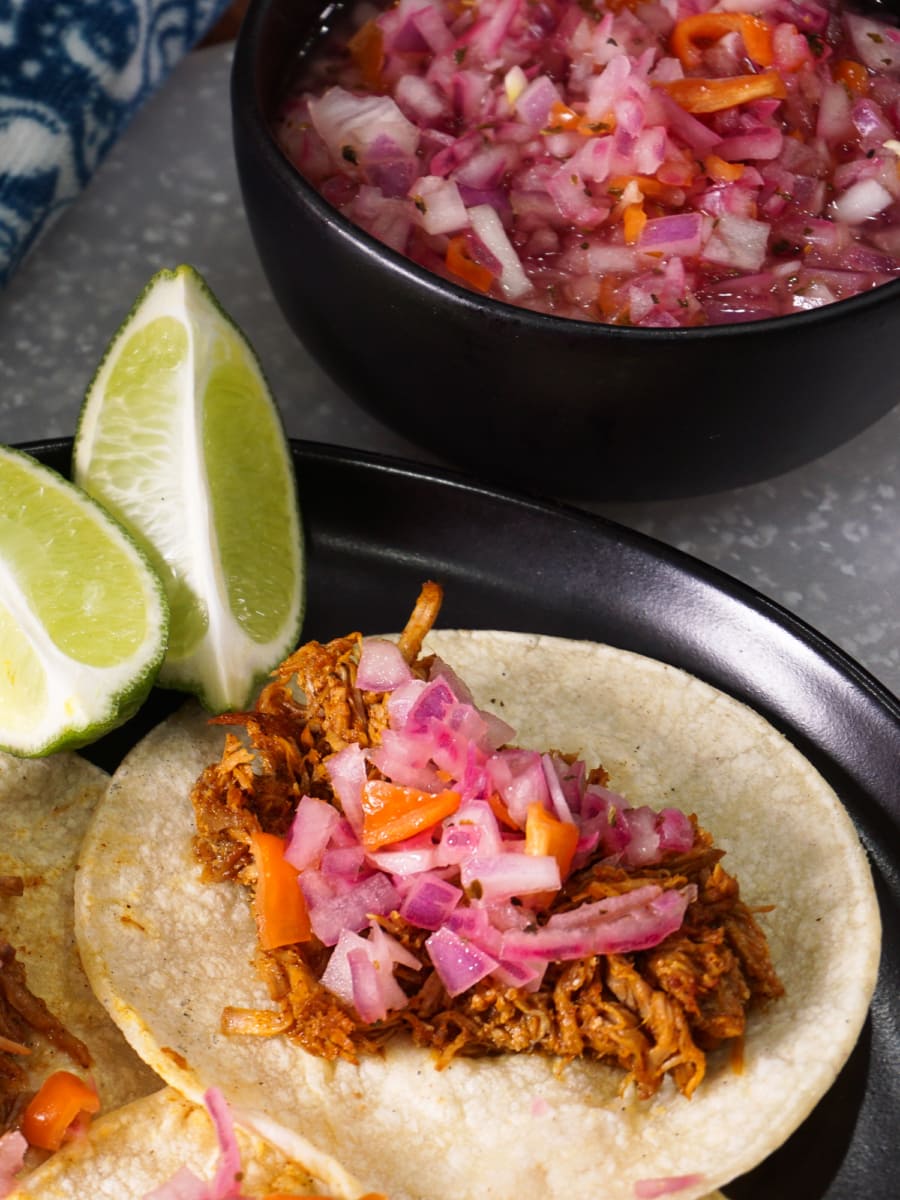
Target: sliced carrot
(61,1098)
(691,33)
(459,262)
(279,907)
(545,834)
(712,95)
(367,51)
(852,75)
(392,813)
(722,171)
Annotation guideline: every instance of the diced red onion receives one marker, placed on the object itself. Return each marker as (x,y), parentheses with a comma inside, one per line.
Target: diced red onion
(359,973)
(554,787)
(311,829)
(429,902)
(877,43)
(343,119)
(518,776)
(638,928)
(459,964)
(387,950)
(513,280)
(676,832)
(759,144)
(503,876)
(681,234)
(433,28)
(332,911)
(738,242)
(347,772)
(405,860)
(861,201)
(343,863)
(534,103)
(381,665)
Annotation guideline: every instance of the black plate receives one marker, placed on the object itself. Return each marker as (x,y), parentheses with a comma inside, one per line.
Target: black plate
(377,528)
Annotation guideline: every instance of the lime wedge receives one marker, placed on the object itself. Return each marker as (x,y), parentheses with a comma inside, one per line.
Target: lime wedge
(83,617)
(181,440)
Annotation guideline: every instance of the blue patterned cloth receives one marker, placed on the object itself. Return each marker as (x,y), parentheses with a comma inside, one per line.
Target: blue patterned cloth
(72,73)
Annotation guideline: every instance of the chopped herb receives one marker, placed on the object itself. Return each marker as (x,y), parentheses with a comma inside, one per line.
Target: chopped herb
(459,54)
(349,154)
(585,245)
(475,891)
(420,204)
(876,37)
(654,298)
(816,44)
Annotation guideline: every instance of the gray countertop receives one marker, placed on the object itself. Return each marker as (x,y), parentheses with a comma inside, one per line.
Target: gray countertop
(824,540)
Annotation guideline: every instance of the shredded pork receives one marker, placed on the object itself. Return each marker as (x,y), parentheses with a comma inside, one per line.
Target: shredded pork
(655,1013)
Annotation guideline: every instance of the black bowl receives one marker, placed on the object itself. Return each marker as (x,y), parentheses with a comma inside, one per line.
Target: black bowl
(556,406)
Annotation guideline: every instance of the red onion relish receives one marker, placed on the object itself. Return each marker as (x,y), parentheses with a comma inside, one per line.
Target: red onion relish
(658,164)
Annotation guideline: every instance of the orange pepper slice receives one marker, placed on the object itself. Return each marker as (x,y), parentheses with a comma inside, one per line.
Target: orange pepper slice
(280,909)
(49,1115)
(563,119)
(852,75)
(709,27)
(392,813)
(721,170)
(501,812)
(545,834)
(712,95)
(633,221)
(459,262)
(367,51)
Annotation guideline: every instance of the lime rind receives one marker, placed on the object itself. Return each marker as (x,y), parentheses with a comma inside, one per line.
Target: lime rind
(51,698)
(182,465)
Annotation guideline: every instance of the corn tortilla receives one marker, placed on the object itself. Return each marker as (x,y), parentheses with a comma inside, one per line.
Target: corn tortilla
(45,806)
(166,953)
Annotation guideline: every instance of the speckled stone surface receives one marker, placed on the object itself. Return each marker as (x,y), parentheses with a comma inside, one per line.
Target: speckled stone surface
(824,540)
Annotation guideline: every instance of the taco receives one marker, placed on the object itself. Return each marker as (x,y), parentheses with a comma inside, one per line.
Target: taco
(50,1021)
(148,1147)
(163,1147)
(469,1117)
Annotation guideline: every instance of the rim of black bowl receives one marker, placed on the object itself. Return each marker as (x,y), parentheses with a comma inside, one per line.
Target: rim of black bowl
(247,105)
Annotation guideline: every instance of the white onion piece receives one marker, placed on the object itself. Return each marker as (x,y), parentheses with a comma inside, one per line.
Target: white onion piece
(381,665)
(342,119)
(513,281)
(861,201)
(739,242)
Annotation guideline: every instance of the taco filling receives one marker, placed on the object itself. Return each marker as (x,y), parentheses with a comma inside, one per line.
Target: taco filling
(413,869)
